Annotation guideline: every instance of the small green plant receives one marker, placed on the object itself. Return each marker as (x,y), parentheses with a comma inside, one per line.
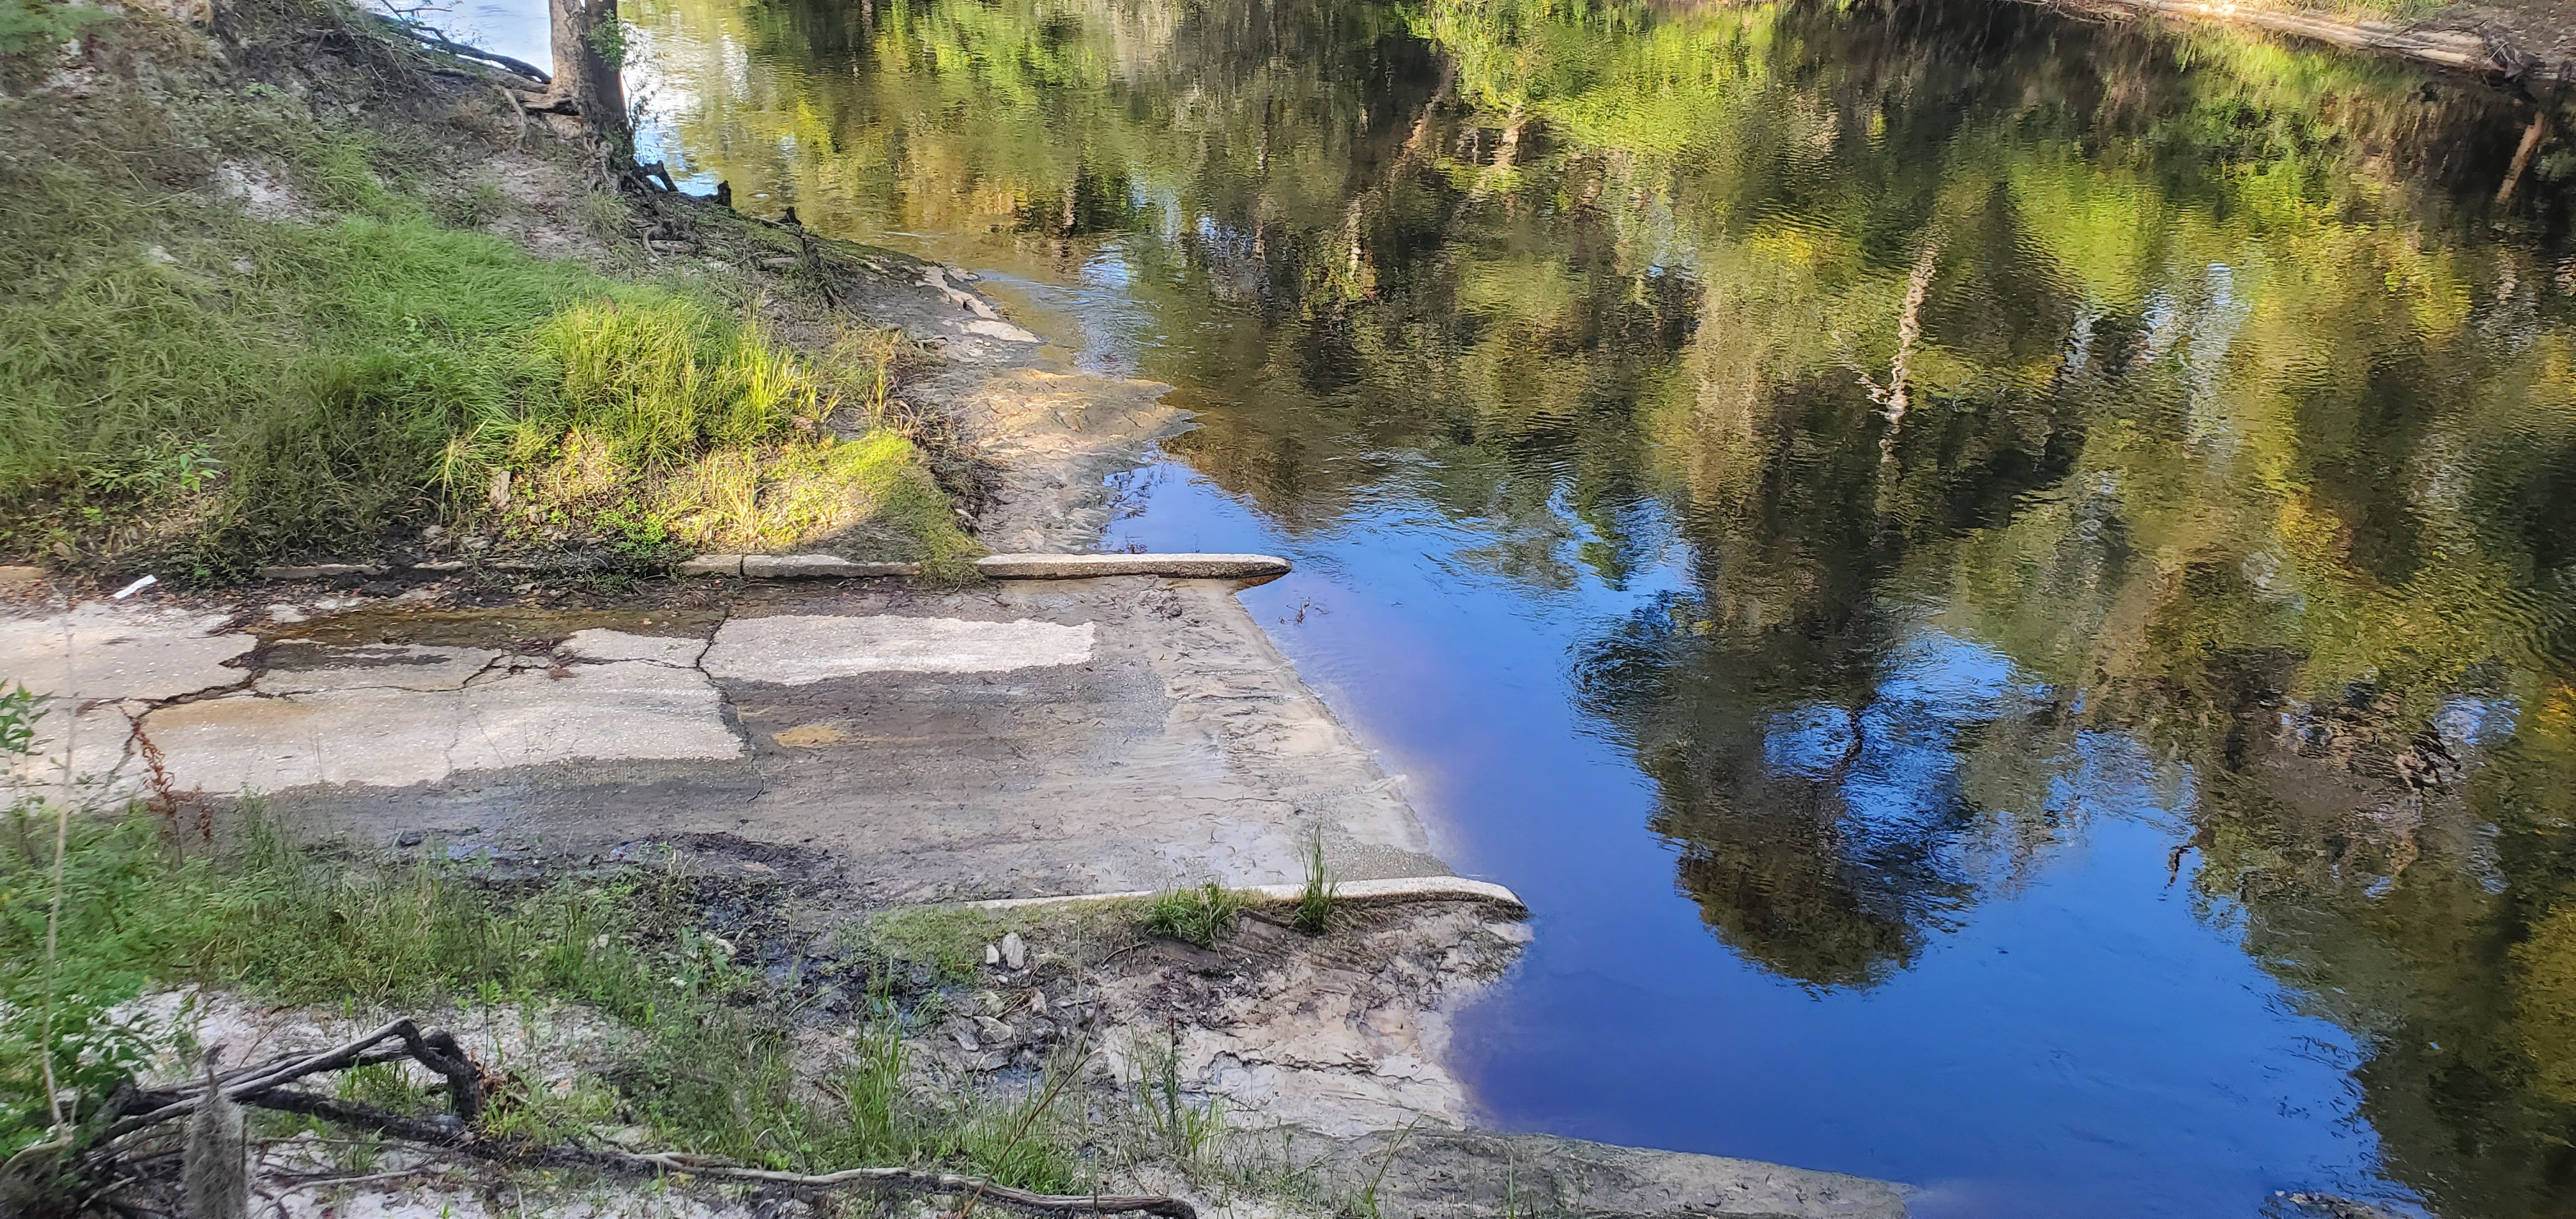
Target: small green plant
(1315,904)
(1199,915)
(1182,1127)
(20,708)
(27,25)
(1366,1205)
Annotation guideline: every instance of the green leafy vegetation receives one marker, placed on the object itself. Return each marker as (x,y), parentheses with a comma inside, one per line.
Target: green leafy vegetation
(1200,916)
(32,25)
(271,331)
(705,1047)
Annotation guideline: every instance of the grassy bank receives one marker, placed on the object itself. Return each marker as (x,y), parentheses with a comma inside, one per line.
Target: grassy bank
(703,1049)
(269,297)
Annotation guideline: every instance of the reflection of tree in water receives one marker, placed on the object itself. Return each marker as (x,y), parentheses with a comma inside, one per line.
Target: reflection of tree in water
(2230,421)
(1782,866)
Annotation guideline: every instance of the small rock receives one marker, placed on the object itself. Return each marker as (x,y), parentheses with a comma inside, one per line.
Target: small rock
(410,838)
(992,955)
(630,1136)
(994,1032)
(1037,1001)
(1029,1058)
(965,1035)
(1014,952)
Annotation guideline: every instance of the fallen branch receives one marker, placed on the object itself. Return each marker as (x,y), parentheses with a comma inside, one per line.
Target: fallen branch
(436,1051)
(451,1135)
(440,42)
(263,1087)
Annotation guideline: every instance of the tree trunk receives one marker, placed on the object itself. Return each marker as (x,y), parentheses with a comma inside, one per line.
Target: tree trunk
(589,50)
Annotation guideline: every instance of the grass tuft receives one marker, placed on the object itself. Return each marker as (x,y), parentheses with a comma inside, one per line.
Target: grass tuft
(1200,916)
(1316,902)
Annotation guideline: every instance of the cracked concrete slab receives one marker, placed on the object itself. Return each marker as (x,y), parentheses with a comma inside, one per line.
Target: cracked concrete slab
(603,643)
(393,666)
(104,650)
(343,731)
(1026,739)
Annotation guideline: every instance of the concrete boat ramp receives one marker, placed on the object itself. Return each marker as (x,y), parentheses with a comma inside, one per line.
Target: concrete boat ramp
(1019,738)
(1016,739)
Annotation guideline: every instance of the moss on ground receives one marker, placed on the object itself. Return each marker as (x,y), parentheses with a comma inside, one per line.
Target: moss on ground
(248,315)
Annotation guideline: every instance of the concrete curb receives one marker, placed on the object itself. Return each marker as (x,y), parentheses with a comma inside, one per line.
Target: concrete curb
(1364,892)
(1170,566)
(997,567)
(818,566)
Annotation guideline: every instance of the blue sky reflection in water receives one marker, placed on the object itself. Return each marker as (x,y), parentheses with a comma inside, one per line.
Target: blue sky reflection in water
(1999,582)
(2094,1041)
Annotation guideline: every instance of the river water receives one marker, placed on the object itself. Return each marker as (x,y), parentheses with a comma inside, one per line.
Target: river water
(2001,584)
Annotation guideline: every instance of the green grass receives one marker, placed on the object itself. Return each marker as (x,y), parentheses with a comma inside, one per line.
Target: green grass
(1316,902)
(28,25)
(195,386)
(1201,916)
(948,940)
(705,1051)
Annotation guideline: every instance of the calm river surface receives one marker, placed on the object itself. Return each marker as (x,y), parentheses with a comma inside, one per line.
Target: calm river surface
(2001,584)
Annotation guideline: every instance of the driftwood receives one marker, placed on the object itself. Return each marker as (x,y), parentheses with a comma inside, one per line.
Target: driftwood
(263,1087)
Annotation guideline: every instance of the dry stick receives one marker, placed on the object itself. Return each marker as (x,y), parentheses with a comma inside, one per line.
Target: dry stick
(456,1137)
(54,908)
(261,1088)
